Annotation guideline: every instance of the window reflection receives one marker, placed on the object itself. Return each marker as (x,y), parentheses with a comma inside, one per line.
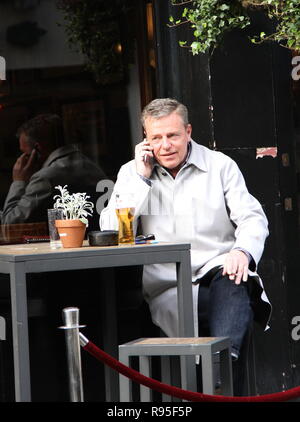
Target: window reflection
(44,163)
(98,120)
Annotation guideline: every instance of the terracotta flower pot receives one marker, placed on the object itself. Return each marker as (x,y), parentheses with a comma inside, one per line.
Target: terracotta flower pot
(71,232)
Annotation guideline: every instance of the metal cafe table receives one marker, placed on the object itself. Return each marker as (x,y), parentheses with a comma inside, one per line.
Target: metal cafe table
(19,260)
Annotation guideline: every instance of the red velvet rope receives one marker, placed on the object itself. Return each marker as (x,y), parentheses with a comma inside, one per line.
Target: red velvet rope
(178,392)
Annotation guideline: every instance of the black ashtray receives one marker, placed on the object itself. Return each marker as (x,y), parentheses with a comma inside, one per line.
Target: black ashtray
(103,238)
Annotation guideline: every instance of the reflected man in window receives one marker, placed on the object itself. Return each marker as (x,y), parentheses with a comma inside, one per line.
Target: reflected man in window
(45,162)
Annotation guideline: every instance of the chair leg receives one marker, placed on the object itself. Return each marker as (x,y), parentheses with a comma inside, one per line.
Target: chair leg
(124,382)
(208,373)
(145,369)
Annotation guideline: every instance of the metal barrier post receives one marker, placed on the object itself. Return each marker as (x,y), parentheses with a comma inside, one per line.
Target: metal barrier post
(71,327)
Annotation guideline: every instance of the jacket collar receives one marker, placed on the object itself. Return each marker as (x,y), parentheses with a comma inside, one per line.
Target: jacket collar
(196,156)
(60,152)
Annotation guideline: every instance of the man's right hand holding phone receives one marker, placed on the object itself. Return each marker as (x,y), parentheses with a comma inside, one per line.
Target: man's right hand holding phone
(144,159)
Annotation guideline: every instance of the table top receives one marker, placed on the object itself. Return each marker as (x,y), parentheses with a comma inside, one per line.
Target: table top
(34,251)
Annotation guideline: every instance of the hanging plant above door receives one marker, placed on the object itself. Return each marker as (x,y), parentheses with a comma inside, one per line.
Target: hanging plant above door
(210,20)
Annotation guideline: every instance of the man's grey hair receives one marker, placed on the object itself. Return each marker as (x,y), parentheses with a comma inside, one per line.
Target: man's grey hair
(44,128)
(162,107)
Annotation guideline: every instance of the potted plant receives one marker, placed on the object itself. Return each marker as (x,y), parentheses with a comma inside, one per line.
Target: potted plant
(76,208)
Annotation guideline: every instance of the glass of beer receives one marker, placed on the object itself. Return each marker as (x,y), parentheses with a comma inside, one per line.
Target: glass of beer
(125,213)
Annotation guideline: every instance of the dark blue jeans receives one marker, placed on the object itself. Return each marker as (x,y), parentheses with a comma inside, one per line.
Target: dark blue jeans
(224,309)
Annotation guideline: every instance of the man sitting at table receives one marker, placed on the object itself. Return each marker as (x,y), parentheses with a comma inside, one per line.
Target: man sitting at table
(185,192)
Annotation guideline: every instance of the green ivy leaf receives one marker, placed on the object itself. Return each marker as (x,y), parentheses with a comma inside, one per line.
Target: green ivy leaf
(209,21)
(224,7)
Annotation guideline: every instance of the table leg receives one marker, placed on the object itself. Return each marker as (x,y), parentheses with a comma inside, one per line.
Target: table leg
(185,296)
(186,318)
(20,333)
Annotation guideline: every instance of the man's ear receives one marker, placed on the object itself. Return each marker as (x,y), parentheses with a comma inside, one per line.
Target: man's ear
(189,131)
(37,146)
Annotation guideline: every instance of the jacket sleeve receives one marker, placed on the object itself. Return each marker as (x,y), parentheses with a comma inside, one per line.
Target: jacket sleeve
(23,200)
(245,212)
(127,181)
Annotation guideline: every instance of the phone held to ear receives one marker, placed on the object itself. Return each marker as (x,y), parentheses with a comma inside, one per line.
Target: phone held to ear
(147,158)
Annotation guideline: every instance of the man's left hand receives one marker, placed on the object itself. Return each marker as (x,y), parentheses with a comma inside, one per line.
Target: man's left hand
(236,266)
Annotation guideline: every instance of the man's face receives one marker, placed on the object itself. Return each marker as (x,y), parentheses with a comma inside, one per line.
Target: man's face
(169,138)
(25,145)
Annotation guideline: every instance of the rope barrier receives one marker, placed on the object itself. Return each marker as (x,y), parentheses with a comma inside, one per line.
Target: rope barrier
(178,392)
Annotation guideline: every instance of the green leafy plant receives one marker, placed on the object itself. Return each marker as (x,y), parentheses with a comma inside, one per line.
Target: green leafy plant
(96,29)
(286,16)
(210,20)
(74,206)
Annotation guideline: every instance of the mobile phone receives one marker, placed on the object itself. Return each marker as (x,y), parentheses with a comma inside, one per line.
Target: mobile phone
(147,158)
